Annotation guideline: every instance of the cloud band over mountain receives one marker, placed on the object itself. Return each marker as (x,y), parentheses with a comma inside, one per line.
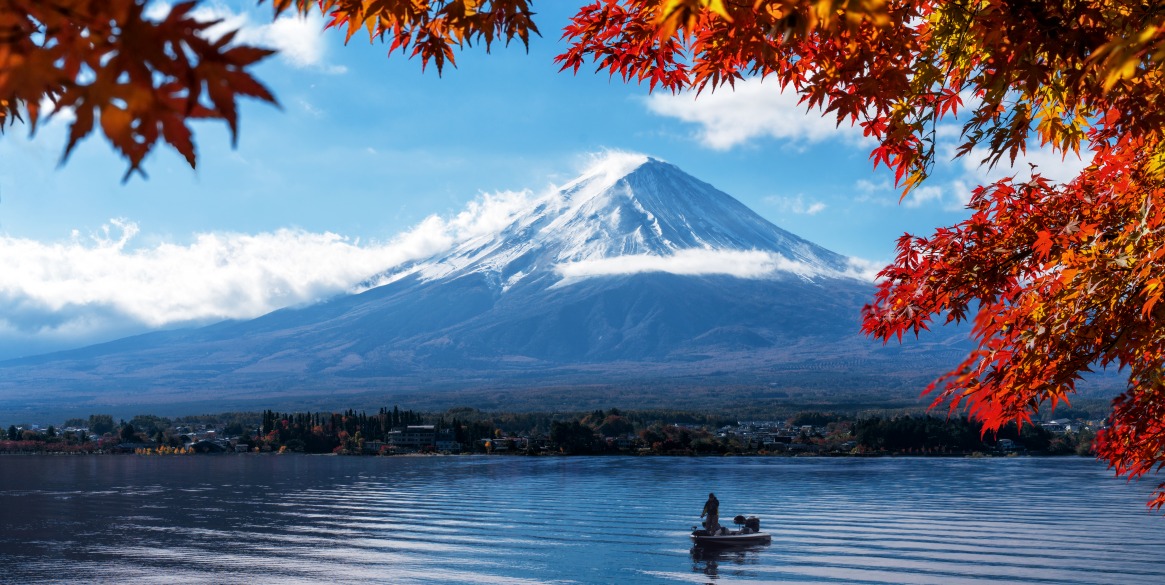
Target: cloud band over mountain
(108,284)
(738,263)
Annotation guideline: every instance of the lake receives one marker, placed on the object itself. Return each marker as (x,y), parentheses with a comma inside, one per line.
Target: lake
(513,520)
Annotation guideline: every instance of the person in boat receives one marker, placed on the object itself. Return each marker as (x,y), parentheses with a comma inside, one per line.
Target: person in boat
(712,512)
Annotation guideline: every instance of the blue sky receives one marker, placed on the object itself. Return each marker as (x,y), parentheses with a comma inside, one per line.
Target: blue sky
(366,148)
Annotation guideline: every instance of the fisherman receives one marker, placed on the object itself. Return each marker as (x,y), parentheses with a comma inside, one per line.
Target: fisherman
(712,511)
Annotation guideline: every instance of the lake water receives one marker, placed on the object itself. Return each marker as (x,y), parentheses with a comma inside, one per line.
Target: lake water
(321,519)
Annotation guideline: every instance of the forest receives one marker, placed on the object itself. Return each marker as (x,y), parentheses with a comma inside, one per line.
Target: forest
(598,432)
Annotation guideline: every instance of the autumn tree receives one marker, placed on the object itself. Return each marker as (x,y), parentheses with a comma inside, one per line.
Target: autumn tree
(142,80)
(1056,278)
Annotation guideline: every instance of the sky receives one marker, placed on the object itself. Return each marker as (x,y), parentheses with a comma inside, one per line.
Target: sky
(369,162)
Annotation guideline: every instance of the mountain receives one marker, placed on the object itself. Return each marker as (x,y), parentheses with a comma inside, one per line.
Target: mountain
(630,206)
(635,284)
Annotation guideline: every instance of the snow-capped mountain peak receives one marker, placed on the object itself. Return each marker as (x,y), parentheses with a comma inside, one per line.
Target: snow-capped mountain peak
(604,172)
(630,213)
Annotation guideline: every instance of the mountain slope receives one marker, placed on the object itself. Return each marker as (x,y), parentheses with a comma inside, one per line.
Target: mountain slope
(630,206)
(633,274)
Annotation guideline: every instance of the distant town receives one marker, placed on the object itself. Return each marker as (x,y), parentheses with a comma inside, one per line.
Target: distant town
(469,431)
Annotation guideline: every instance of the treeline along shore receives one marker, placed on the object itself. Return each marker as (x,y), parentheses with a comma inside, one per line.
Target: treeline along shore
(601,432)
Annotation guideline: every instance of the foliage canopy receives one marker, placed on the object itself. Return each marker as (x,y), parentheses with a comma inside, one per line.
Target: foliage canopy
(1057,278)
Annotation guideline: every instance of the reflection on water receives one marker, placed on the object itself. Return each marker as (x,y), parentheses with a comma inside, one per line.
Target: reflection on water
(312,519)
(733,561)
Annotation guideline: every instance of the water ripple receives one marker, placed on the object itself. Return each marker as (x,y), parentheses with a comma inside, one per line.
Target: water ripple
(295,519)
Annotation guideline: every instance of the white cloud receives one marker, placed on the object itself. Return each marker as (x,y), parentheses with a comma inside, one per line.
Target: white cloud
(796,205)
(742,264)
(871,192)
(731,117)
(864,269)
(218,275)
(1050,164)
(969,171)
(309,108)
(96,285)
(954,194)
(604,168)
(959,194)
(949,195)
(921,195)
(298,39)
(952,180)
(1056,166)
(49,111)
(486,215)
(738,263)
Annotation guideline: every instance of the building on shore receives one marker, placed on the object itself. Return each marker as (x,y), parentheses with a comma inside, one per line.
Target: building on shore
(420,439)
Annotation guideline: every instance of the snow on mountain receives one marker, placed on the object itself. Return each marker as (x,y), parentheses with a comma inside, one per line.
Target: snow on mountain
(634,275)
(628,213)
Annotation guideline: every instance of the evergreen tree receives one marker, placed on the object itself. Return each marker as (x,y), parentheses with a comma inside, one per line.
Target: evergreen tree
(100,424)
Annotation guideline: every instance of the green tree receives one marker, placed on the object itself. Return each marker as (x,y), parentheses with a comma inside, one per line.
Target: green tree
(99,424)
(816,419)
(149,423)
(573,437)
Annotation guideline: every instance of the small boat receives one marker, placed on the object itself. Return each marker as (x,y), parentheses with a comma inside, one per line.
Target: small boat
(730,538)
(748,534)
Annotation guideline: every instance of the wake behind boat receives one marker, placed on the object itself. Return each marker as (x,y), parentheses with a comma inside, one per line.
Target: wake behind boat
(749,533)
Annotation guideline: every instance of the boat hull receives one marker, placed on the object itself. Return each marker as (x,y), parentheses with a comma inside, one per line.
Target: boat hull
(731,539)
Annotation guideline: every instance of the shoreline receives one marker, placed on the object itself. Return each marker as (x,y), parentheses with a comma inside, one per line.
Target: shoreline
(888,455)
